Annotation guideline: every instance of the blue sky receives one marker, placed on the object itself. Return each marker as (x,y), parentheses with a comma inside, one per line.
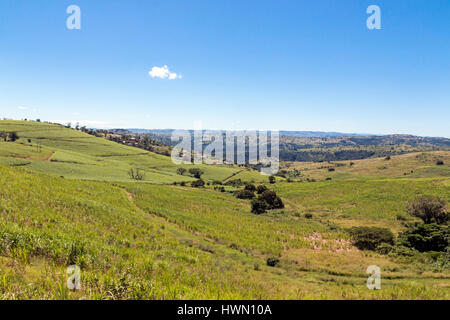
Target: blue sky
(290,65)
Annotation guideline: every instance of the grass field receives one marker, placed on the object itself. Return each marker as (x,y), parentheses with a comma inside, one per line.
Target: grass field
(411,165)
(73,203)
(76,155)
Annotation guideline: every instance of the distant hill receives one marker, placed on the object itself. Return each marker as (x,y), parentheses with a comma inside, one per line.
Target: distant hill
(300,134)
(332,146)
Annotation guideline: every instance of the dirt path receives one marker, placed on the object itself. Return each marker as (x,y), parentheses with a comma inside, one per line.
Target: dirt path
(233,175)
(130,196)
(49,159)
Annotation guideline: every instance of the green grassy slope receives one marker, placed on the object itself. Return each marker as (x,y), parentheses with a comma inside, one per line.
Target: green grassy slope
(411,165)
(151,240)
(73,154)
(156,242)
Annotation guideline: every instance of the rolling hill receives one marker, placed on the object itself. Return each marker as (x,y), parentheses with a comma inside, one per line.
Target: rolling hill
(66,199)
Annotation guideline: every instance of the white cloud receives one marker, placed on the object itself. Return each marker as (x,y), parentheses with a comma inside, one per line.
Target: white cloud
(163,73)
(22,108)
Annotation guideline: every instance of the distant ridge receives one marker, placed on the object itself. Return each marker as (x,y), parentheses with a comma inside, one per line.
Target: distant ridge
(296,134)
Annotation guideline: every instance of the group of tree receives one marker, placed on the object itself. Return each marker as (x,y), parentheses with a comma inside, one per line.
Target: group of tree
(198,183)
(9,136)
(430,235)
(195,172)
(263,200)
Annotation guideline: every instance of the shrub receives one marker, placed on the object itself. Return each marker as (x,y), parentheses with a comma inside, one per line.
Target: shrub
(196,172)
(250,187)
(384,248)
(182,183)
(272,261)
(331,169)
(13,136)
(369,238)
(261,188)
(308,215)
(426,237)
(198,183)
(273,201)
(258,206)
(400,250)
(387,158)
(234,183)
(429,209)
(440,163)
(272,179)
(244,194)
(181,171)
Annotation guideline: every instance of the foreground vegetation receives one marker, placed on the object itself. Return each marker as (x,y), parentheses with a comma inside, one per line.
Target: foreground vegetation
(151,239)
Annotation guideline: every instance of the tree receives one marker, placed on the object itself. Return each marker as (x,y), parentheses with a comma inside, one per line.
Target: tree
(250,187)
(180,171)
(196,172)
(198,183)
(272,179)
(430,209)
(136,174)
(426,237)
(258,206)
(272,200)
(261,188)
(369,238)
(13,136)
(244,194)
(272,261)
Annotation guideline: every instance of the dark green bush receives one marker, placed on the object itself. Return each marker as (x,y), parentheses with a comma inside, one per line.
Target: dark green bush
(244,194)
(261,188)
(369,238)
(198,183)
(234,183)
(258,206)
(273,201)
(250,187)
(385,248)
(426,237)
(272,261)
(196,172)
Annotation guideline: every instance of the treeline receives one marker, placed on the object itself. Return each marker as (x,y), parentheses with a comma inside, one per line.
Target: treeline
(318,156)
